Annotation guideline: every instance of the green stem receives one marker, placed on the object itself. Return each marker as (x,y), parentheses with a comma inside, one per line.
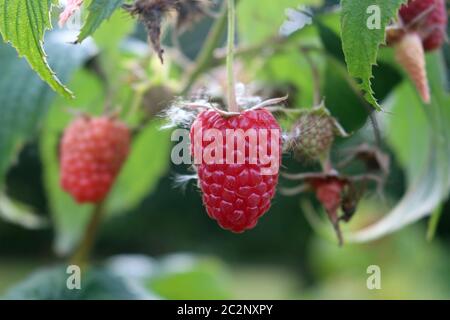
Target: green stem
(433,223)
(206,55)
(315,76)
(326,164)
(231,88)
(135,103)
(81,255)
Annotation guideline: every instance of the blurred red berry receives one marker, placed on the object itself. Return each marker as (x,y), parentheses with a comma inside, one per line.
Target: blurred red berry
(92,152)
(329,193)
(432,26)
(423,28)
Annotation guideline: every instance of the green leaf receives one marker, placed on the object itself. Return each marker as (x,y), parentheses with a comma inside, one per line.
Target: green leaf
(99,10)
(142,170)
(342,94)
(434,222)
(186,277)
(342,98)
(23,24)
(96,284)
(330,41)
(420,136)
(20,214)
(109,38)
(24,98)
(258,23)
(178,276)
(360,44)
(284,68)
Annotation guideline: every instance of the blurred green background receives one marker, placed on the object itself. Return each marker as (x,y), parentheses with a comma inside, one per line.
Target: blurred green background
(158,241)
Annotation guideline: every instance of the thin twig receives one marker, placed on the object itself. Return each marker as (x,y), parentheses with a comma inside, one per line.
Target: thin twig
(305,176)
(288,192)
(315,75)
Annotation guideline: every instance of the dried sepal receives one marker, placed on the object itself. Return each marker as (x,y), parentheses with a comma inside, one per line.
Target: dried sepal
(373,158)
(189,12)
(339,194)
(153,12)
(182,113)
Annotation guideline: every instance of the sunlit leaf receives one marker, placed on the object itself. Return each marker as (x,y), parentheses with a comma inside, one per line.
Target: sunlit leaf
(147,163)
(23,24)
(260,22)
(24,98)
(17,213)
(96,284)
(361,43)
(98,11)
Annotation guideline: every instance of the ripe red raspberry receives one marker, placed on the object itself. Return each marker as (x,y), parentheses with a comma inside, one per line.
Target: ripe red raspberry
(434,24)
(92,153)
(237,195)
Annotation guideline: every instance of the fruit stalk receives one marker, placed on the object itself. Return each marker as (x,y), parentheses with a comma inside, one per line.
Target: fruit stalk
(81,255)
(205,58)
(232,103)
